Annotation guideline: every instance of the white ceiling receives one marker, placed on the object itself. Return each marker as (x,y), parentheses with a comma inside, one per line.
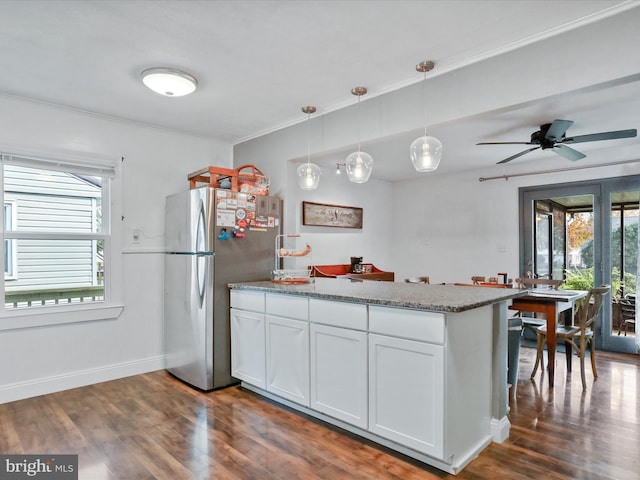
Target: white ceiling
(258,62)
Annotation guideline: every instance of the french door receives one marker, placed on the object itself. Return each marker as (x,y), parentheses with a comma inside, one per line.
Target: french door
(586,233)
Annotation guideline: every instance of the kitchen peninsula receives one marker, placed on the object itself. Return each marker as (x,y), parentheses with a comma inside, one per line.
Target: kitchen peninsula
(418,368)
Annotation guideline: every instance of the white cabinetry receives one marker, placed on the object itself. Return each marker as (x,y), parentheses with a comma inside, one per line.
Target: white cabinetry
(417,381)
(339,360)
(248,360)
(287,347)
(406,388)
(406,377)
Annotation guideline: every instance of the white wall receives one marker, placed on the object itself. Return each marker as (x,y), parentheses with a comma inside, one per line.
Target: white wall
(333,245)
(465,227)
(156,163)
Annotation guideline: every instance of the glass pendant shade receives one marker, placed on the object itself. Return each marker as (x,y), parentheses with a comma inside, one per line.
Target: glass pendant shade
(308,176)
(359,166)
(426,152)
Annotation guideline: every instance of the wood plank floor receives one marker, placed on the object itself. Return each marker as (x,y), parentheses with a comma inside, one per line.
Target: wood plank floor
(152,426)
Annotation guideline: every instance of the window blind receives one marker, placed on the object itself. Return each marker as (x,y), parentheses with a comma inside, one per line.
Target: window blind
(82,167)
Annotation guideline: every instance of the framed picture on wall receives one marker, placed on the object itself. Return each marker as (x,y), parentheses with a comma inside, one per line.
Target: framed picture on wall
(327,215)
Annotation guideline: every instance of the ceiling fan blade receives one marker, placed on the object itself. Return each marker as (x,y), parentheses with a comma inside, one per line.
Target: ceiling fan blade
(513,157)
(505,143)
(568,153)
(602,136)
(557,130)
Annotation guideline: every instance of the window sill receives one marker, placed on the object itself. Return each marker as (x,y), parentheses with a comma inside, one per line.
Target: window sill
(49,316)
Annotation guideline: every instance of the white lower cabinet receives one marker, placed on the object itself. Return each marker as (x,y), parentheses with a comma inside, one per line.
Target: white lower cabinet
(418,380)
(339,373)
(287,353)
(248,359)
(406,393)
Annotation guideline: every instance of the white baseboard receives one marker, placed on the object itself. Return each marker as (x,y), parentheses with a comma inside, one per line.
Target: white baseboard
(80,378)
(500,429)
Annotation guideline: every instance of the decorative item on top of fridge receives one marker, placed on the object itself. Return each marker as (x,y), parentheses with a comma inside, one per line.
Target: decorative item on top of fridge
(293,260)
(246,179)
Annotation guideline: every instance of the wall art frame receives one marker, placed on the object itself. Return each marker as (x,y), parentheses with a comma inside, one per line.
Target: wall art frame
(328,215)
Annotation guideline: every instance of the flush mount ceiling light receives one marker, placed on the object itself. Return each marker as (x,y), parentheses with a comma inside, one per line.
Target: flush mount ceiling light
(169,82)
(426,151)
(308,173)
(359,165)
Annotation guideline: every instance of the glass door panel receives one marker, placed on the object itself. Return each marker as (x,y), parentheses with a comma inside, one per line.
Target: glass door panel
(563,238)
(559,263)
(543,239)
(624,263)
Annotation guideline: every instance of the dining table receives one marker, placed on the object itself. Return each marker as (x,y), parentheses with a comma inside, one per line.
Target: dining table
(550,303)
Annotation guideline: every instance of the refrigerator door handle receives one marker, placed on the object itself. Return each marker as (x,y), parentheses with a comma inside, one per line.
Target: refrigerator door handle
(201,263)
(201,277)
(201,230)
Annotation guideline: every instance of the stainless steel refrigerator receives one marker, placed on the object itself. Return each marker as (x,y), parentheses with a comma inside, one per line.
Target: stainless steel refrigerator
(213,237)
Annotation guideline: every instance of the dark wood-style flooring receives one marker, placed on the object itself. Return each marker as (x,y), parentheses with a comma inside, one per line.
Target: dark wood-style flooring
(152,426)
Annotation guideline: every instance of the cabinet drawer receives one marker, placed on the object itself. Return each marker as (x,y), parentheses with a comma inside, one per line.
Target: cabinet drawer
(338,314)
(290,306)
(247,300)
(411,324)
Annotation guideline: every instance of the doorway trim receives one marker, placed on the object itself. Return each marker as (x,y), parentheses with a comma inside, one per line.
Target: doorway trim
(601,191)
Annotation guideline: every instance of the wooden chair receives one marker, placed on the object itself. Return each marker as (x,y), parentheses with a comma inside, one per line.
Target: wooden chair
(417,280)
(628,307)
(539,283)
(486,284)
(533,323)
(580,334)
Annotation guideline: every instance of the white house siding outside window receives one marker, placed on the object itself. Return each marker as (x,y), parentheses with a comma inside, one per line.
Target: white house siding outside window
(9,245)
(57,238)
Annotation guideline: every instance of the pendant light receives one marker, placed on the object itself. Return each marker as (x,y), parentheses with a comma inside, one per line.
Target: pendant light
(426,151)
(169,82)
(359,165)
(308,173)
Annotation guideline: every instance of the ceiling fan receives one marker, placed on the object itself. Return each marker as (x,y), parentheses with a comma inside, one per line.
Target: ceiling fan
(552,135)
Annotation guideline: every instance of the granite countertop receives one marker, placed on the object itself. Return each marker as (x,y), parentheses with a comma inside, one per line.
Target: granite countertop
(435,298)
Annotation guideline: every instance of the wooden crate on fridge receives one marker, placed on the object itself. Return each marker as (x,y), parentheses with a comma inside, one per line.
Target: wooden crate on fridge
(212,176)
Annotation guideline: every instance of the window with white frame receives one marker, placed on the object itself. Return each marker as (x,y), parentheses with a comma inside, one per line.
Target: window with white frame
(56,232)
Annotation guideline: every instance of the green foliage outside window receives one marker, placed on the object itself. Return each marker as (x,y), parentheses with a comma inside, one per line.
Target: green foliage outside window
(583,280)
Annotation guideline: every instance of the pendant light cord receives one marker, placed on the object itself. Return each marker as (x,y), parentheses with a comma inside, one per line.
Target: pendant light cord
(424,101)
(308,138)
(359,126)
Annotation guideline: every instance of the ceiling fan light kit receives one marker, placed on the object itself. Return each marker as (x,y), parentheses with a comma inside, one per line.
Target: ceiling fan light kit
(553,136)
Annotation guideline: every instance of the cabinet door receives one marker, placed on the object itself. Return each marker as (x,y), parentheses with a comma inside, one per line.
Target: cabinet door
(248,359)
(339,373)
(288,358)
(406,393)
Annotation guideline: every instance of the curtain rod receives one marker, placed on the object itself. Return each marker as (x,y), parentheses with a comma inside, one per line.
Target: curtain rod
(568,169)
